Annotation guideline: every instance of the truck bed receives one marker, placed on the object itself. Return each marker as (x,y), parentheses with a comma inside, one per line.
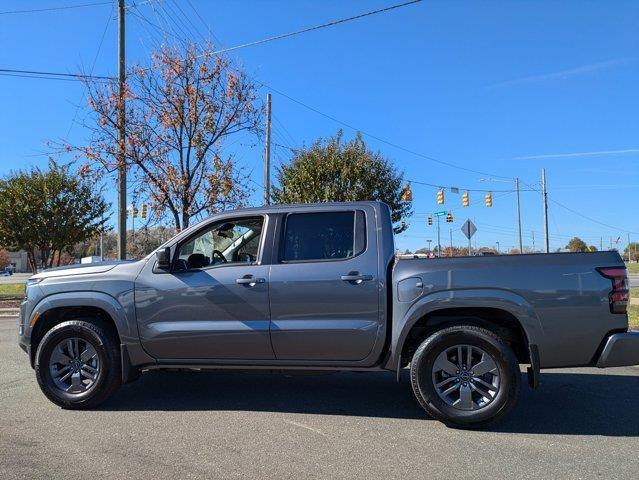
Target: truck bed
(562,298)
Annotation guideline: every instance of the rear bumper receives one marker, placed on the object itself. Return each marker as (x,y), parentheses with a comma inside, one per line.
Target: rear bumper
(620,349)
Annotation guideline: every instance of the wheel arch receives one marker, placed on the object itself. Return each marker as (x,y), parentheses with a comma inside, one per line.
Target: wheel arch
(100,308)
(503,312)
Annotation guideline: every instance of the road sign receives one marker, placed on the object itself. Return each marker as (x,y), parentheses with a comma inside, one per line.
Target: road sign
(440,214)
(469,229)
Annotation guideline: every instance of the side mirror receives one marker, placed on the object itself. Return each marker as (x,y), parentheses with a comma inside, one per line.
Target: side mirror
(163,258)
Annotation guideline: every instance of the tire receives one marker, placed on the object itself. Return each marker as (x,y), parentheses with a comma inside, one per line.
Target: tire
(493,391)
(85,351)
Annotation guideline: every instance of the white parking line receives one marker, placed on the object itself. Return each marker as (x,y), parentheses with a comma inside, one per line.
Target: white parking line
(301,425)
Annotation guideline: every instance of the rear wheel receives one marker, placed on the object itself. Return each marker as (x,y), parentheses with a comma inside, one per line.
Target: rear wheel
(77,364)
(465,376)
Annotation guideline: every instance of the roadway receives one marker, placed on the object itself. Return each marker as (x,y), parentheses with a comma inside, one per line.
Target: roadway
(580,423)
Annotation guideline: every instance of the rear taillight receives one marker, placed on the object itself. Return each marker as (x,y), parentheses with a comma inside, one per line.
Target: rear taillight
(620,295)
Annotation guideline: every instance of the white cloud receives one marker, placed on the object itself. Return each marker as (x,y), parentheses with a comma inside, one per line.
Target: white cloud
(578,154)
(563,74)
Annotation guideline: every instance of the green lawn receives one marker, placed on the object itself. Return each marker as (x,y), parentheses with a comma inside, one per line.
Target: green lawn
(633,316)
(11,289)
(633,310)
(633,267)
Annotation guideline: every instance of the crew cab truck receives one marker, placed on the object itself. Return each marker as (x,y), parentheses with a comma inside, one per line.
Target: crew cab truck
(317,288)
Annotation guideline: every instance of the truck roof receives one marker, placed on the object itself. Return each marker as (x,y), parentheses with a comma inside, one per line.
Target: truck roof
(288,206)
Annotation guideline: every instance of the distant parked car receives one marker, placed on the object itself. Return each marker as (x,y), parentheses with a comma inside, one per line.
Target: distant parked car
(5,273)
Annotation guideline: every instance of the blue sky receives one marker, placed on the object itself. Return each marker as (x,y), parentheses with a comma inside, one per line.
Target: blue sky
(499,87)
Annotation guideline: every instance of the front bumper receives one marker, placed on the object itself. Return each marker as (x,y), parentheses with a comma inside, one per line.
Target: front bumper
(620,350)
(23,340)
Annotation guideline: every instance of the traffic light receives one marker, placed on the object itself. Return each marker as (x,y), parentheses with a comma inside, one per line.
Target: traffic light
(449,218)
(407,194)
(489,199)
(430,220)
(440,196)
(144,210)
(135,212)
(465,199)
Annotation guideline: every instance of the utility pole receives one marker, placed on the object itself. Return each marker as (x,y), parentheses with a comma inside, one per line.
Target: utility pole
(601,244)
(521,243)
(544,193)
(498,250)
(429,241)
(267,153)
(121,160)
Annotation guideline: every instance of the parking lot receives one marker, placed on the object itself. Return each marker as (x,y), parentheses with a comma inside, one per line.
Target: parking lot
(580,423)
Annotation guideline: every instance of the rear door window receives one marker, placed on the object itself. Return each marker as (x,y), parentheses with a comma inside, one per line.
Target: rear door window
(323,236)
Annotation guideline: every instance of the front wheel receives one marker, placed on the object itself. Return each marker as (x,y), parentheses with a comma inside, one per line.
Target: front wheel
(465,376)
(77,364)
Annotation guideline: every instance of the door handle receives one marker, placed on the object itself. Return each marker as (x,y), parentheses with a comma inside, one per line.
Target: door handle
(356,278)
(249,280)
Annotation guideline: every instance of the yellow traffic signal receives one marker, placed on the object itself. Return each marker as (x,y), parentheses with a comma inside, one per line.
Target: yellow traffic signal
(465,199)
(135,212)
(144,210)
(407,194)
(489,199)
(440,196)
(430,220)
(449,218)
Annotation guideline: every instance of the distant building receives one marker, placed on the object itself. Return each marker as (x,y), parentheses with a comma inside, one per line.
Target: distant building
(19,261)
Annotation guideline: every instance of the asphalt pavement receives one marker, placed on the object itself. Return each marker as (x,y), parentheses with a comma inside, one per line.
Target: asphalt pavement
(580,423)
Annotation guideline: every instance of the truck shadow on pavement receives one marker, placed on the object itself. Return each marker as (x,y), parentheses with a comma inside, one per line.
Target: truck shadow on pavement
(565,403)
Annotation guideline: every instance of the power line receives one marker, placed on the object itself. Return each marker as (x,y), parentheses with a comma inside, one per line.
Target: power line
(95,60)
(316,27)
(37,77)
(335,119)
(592,219)
(379,139)
(41,74)
(581,214)
(64,7)
(434,185)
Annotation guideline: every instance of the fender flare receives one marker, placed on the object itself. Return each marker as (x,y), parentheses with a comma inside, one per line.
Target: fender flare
(505,300)
(126,328)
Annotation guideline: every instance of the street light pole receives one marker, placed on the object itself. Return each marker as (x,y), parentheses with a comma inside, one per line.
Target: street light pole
(521,243)
(439,241)
(451,242)
(518,204)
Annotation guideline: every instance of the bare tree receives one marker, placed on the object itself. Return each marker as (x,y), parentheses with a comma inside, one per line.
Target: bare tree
(179,113)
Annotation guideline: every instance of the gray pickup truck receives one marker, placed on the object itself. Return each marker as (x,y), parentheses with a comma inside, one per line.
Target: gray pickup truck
(308,288)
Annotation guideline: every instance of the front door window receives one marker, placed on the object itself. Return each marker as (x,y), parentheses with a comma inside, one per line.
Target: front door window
(228,242)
